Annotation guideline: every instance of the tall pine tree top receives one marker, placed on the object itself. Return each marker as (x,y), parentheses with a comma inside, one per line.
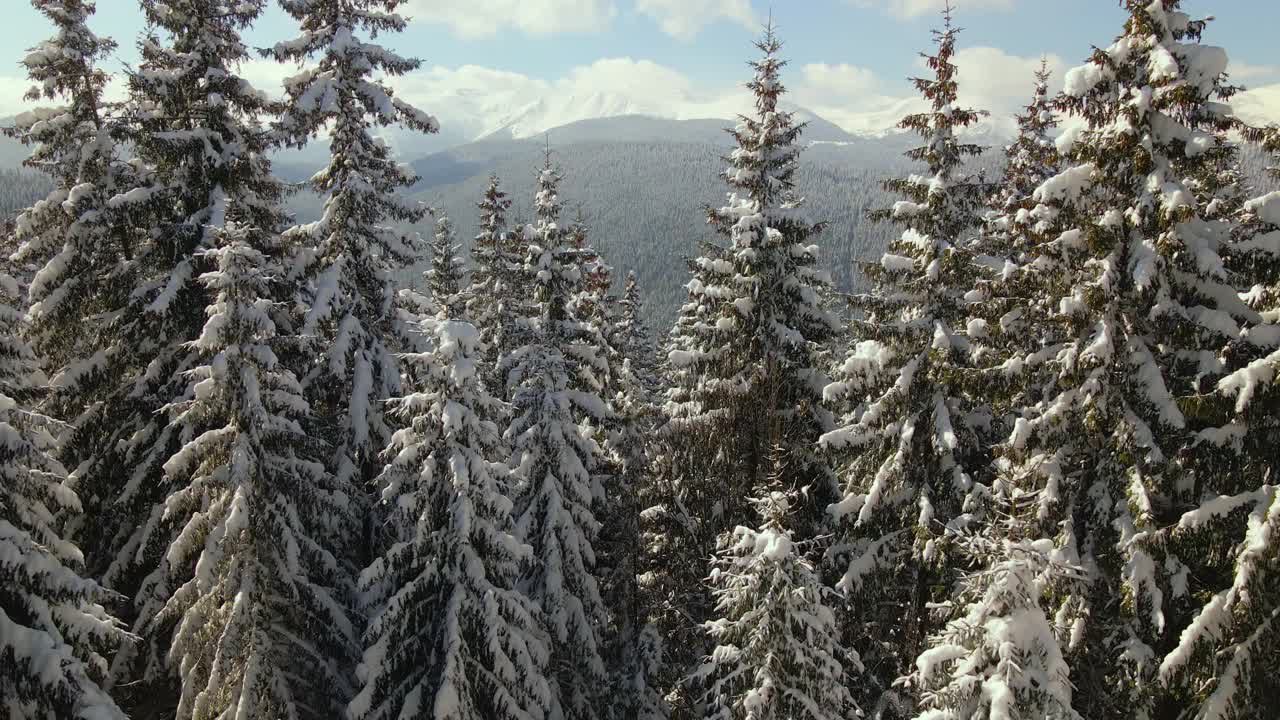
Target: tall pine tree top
(200,156)
(493,296)
(755,324)
(913,440)
(246,574)
(347,256)
(1134,296)
(1032,157)
(445,276)
(449,634)
(70,233)
(555,379)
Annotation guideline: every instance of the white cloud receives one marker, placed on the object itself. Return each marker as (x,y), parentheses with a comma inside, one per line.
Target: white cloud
(267,75)
(848,82)
(991,79)
(475,101)
(859,101)
(1242,71)
(908,9)
(685,18)
(484,18)
(642,78)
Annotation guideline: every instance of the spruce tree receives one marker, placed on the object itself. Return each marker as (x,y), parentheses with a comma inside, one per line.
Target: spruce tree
(450,636)
(444,279)
(754,326)
(93,247)
(347,258)
(1126,279)
(155,454)
(185,99)
(744,361)
(1219,668)
(1000,655)
(1030,159)
(777,650)
(910,448)
(55,635)
(247,601)
(556,379)
(72,234)
(492,297)
(635,651)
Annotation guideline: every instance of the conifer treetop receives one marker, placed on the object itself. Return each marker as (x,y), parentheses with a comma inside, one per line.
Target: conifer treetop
(446,273)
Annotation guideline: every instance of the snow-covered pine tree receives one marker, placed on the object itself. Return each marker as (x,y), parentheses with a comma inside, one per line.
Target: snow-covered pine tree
(54,633)
(492,298)
(347,257)
(70,233)
(1030,159)
(632,336)
(594,301)
(1220,667)
(999,322)
(1137,310)
(556,378)
(909,450)
(1000,656)
(445,277)
(450,636)
(635,650)
(754,326)
(745,358)
(247,602)
(190,123)
(777,649)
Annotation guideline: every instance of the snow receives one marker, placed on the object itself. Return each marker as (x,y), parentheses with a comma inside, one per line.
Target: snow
(1267,207)
(897,263)
(1066,186)
(1080,80)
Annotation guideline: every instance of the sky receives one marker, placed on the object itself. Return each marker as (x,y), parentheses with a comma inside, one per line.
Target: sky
(487,61)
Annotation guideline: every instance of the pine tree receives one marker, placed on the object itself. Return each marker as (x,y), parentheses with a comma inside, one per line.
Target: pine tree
(635,653)
(444,279)
(184,100)
(777,653)
(754,325)
(55,634)
(492,298)
(347,257)
(1030,159)
(1001,330)
(909,449)
(1001,656)
(1219,667)
(87,248)
(745,358)
(1127,283)
(72,233)
(632,338)
(1002,651)
(557,378)
(450,636)
(247,595)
